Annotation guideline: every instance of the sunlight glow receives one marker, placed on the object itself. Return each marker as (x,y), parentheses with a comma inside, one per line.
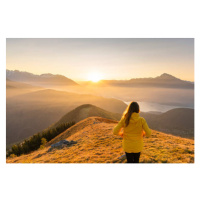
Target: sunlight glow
(95,77)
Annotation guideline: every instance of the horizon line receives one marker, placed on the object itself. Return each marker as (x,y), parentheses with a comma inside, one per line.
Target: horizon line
(76,80)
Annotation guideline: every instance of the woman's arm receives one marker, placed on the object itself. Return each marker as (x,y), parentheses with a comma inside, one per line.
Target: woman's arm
(117,128)
(146,128)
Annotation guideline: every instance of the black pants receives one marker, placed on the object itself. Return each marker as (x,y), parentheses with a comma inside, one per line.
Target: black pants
(132,157)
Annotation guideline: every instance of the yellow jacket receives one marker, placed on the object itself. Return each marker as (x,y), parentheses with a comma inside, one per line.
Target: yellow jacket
(133,134)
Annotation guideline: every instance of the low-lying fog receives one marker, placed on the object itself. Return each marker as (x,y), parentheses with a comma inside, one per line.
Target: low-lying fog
(150,99)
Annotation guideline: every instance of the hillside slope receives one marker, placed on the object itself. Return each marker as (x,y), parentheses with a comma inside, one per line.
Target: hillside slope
(179,121)
(97,144)
(85,111)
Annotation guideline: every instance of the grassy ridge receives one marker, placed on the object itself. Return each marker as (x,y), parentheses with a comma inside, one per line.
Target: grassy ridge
(87,110)
(97,144)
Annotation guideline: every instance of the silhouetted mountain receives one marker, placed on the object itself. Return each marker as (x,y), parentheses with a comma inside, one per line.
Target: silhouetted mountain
(178,121)
(166,76)
(87,110)
(46,80)
(164,81)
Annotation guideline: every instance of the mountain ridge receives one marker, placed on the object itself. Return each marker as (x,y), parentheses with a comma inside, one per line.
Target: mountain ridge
(163,81)
(95,143)
(166,76)
(85,111)
(46,79)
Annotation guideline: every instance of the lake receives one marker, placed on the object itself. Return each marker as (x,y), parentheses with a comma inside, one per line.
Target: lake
(148,106)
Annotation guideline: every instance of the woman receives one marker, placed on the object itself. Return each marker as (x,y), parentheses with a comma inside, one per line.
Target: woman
(134,127)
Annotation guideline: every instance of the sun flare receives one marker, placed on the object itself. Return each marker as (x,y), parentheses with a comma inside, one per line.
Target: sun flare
(95,77)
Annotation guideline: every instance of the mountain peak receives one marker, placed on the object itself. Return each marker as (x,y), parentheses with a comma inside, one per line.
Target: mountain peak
(87,110)
(166,76)
(47,75)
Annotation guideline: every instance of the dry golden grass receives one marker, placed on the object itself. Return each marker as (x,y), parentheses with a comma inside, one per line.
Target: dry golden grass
(97,144)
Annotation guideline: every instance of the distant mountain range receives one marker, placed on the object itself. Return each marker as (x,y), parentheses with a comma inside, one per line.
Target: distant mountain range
(46,80)
(165,80)
(49,80)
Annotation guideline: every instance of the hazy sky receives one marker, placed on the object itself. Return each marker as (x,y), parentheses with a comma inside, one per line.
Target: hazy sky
(110,58)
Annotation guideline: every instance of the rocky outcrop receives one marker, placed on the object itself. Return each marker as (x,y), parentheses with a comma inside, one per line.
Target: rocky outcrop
(122,157)
(61,144)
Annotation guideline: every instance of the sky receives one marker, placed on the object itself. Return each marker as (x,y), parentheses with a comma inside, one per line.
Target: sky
(108,59)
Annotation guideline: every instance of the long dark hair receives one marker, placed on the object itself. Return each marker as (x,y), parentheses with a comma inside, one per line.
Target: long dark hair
(133,107)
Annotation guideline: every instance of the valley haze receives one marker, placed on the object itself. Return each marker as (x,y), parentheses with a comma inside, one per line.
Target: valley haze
(34,102)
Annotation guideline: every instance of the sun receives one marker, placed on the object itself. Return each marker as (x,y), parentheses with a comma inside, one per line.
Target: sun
(95,77)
